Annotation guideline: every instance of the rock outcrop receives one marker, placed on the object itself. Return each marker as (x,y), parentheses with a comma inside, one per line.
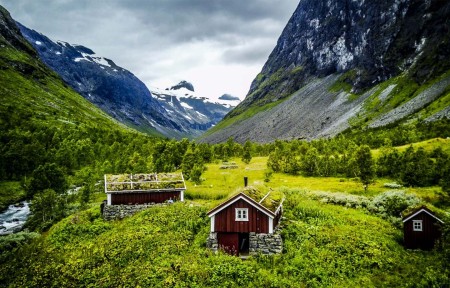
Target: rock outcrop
(342,63)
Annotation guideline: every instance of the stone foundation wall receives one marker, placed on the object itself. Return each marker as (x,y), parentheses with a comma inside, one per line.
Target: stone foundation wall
(266,244)
(115,212)
(212,242)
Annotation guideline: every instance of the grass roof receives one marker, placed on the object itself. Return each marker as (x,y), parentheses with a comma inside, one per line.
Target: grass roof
(144,182)
(271,200)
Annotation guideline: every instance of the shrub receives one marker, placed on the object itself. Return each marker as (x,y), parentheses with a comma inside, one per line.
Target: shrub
(11,241)
(392,203)
(392,185)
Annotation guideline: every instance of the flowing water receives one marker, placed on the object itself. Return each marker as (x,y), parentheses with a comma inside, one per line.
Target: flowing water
(13,218)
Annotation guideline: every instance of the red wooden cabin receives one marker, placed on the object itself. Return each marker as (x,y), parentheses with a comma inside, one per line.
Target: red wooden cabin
(236,218)
(421,229)
(131,189)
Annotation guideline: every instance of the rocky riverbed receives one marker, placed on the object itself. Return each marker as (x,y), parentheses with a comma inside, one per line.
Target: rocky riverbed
(14,217)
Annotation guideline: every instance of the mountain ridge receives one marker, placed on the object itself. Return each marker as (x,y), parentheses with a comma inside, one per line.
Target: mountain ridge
(122,95)
(370,46)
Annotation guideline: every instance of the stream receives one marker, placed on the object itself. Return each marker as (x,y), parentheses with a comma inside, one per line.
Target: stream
(13,218)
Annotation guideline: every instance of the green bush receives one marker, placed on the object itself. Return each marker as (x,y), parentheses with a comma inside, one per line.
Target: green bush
(12,241)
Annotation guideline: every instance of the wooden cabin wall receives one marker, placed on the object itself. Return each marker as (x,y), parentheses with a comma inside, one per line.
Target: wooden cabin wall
(421,239)
(225,220)
(142,198)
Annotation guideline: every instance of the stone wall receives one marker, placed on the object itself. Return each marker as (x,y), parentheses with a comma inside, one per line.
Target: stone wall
(114,212)
(266,244)
(212,242)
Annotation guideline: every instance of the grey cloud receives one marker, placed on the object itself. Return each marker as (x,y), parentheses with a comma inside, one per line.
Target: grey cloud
(250,54)
(141,35)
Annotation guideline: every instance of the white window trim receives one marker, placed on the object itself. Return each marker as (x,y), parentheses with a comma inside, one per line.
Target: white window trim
(213,223)
(270,225)
(418,229)
(243,211)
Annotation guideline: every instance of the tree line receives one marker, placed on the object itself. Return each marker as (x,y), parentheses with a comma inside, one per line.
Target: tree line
(50,160)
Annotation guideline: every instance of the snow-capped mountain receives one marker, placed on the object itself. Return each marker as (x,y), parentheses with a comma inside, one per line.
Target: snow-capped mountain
(176,113)
(194,113)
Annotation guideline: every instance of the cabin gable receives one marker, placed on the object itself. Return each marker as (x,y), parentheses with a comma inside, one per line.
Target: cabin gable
(243,226)
(226,220)
(421,230)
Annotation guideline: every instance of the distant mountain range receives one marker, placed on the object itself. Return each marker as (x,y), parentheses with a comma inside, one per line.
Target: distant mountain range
(348,64)
(123,96)
(197,114)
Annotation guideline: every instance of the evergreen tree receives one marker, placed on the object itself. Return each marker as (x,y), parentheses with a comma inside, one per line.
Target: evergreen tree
(274,160)
(188,163)
(46,208)
(310,163)
(247,153)
(196,173)
(48,176)
(417,169)
(365,165)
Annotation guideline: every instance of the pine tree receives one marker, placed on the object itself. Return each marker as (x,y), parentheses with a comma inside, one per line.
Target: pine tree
(247,153)
(365,165)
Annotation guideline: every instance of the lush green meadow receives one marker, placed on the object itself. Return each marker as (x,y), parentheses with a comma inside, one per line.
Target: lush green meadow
(222,183)
(325,244)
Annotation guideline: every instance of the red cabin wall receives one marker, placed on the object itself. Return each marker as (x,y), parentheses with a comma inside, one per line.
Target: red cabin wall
(424,239)
(143,198)
(225,220)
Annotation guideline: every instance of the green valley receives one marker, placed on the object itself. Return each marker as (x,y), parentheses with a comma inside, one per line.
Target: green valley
(351,152)
(326,243)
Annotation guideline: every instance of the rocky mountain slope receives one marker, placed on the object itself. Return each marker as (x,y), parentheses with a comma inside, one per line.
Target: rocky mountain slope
(379,63)
(123,96)
(195,114)
(115,90)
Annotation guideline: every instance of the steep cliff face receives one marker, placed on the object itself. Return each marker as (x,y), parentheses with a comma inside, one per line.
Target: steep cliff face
(366,43)
(11,33)
(376,40)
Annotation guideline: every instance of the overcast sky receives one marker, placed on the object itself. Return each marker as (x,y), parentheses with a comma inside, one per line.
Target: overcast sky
(217,45)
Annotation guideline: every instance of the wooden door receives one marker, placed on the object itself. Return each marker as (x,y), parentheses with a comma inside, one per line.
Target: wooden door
(229,242)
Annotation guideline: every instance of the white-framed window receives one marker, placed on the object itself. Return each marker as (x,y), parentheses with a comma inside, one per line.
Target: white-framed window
(417,225)
(241,214)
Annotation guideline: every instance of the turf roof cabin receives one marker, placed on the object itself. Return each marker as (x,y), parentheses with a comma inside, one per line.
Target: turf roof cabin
(246,223)
(421,229)
(133,189)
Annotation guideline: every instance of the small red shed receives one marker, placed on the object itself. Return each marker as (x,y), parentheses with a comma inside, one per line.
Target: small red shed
(240,217)
(421,229)
(134,189)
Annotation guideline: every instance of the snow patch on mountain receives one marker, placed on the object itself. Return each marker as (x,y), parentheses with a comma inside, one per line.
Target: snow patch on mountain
(195,112)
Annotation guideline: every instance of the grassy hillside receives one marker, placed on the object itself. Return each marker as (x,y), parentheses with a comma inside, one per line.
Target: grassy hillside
(324,244)
(31,91)
(43,122)
(427,145)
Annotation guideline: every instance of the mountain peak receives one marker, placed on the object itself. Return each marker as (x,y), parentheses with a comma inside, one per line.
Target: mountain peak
(183,84)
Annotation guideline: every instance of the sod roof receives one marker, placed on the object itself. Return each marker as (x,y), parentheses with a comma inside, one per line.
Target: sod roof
(144,182)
